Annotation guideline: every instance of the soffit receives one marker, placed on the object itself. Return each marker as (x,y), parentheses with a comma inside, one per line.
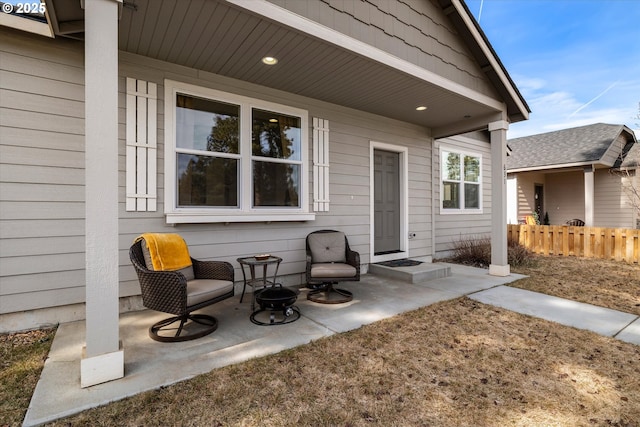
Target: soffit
(220,38)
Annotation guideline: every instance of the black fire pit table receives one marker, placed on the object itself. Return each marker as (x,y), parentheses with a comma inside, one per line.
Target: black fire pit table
(276,302)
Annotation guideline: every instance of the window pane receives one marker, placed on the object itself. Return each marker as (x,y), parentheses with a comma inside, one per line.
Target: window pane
(207,181)
(203,124)
(275,135)
(471,168)
(471,196)
(451,195)
(276,184)
(450,166)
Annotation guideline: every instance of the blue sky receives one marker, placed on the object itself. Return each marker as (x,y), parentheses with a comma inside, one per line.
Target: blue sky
(576,62)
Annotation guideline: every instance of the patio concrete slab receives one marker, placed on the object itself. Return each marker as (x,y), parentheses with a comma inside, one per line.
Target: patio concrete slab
(465,280)
(151,365)
(579,315)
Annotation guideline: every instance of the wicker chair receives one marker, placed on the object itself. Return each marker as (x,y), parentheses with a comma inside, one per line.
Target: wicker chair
(575,222)
(182,292)
(329,261)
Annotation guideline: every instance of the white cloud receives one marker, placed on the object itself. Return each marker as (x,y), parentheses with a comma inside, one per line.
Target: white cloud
(574,105)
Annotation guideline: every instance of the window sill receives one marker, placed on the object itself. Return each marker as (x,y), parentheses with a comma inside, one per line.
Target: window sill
(460,211)
(207,217)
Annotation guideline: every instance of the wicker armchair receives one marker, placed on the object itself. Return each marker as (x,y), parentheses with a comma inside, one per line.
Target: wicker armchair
(575,222)
(329,261)
(182,292)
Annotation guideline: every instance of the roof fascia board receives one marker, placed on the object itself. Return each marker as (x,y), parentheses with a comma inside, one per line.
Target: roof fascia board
(300,23)
(28,25)
(559,166)
(461,10)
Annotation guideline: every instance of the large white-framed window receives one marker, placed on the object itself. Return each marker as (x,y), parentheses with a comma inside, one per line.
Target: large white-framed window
(461,181)
(231,158)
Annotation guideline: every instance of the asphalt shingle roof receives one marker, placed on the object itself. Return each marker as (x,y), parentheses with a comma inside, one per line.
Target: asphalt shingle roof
(582,144)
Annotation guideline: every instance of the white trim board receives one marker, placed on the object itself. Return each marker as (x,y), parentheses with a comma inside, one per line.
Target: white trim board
(404,201)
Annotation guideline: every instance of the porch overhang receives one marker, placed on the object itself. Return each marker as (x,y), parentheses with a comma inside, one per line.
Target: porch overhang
(230,38)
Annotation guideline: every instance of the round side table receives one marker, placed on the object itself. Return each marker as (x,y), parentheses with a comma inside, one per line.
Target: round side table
(258,282)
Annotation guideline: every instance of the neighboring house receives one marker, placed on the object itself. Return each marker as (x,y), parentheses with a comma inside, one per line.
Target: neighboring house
(173,116)
(579,173)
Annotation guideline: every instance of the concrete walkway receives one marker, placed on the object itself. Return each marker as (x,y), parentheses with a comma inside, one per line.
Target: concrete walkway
(603,321)
(150,365)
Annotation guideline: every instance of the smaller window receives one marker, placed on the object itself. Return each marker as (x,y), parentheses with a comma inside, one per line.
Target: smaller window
(461,182)
(276,148)
(207,151)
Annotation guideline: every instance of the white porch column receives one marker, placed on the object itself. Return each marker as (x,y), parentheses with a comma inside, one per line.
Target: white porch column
(103,357)
(512,199)
(499,264)
(589,195)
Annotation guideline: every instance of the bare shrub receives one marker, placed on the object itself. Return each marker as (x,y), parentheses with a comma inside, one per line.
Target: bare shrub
(476,251)
(518,255)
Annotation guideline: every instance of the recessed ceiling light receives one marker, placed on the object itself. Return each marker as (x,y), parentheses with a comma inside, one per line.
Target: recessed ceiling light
(269,60)
(421,108)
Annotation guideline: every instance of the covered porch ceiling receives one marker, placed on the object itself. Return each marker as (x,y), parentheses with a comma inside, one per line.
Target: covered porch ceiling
(228,39)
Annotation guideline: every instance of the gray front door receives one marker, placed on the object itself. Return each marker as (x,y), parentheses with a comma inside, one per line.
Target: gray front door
(386,171)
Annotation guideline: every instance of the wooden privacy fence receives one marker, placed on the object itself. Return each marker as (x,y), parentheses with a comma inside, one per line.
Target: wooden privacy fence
(592,242)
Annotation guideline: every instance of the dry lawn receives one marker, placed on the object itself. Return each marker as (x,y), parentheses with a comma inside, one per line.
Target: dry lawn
(610,284)
(22,357)
(456,363)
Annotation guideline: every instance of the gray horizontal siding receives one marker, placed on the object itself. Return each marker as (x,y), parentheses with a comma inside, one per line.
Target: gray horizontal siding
(564,196)
(350,134)
(526,189)
(452,228)
(41,172)
(612,205)
(42,186)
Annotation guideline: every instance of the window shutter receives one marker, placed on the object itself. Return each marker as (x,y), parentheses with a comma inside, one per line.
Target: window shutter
(320,165)
(142,99)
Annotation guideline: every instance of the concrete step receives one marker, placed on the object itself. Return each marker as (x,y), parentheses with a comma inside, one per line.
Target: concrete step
(413,274)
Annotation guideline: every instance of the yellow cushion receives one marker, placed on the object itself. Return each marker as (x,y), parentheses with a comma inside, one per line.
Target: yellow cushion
(168,251)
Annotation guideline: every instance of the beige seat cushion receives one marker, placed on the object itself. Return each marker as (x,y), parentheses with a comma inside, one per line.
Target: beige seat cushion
(328,247)
(329,270)
(201,290)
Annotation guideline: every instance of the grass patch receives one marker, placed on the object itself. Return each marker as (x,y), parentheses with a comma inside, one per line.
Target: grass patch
(22,357)
(606,283)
